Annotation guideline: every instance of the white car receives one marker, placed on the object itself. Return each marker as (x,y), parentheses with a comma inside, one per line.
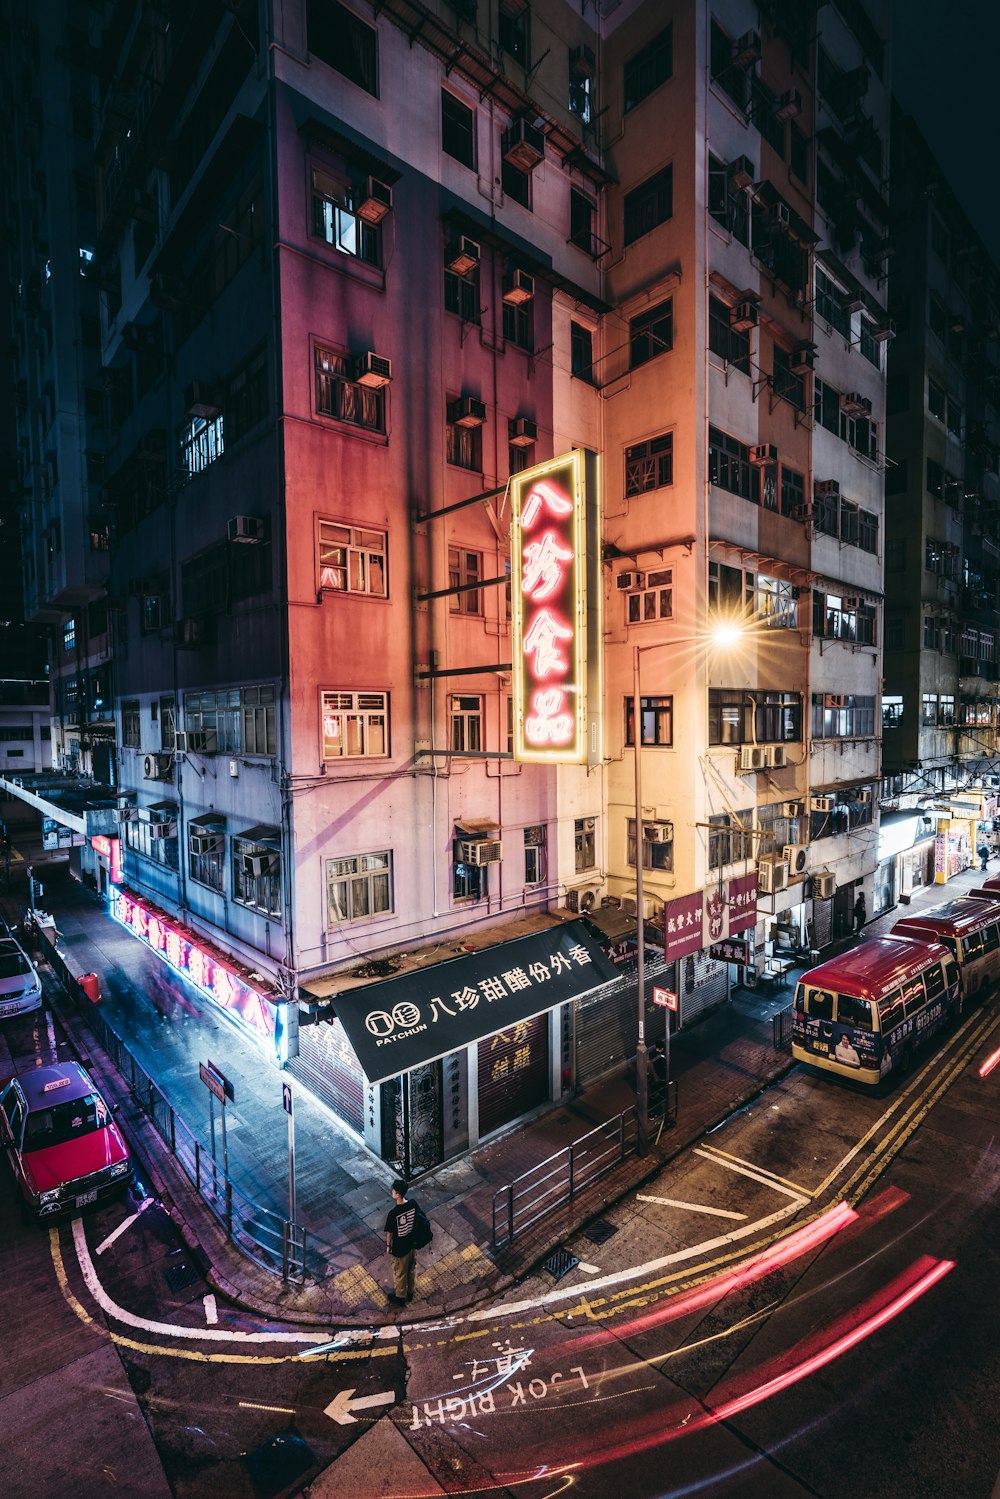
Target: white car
(20,986)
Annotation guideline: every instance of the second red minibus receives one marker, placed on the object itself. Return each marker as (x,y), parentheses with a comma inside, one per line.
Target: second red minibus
(970,929)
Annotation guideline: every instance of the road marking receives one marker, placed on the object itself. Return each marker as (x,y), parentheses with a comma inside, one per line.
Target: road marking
(342,1405)
(714,1150)
(691,1207)
(755,1174)
(589,1269)
(127,1223)
(254,1405)
(211,1311)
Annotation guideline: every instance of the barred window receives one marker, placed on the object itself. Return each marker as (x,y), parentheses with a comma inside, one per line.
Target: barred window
(646,69)
(257,871)
(730,838)
(341,397)
(649,465)
(207,852)
(202,442)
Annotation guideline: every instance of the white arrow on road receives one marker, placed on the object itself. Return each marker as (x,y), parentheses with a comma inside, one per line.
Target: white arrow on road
(341,1407)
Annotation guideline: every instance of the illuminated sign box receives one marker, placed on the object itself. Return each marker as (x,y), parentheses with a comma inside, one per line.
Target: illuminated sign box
(555,606)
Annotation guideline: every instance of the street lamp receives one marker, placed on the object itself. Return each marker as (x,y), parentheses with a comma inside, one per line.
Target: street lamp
(723,634)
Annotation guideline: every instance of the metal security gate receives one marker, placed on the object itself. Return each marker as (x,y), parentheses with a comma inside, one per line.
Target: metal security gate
(704,986)
(513,1073)
(412,1132)
(606,1027)
(327,1064)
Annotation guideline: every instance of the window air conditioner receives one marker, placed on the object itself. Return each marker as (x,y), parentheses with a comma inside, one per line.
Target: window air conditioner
(481,851)
(518,287)
(126,814)
(804,512)
(583,898)
(524,145)
(834,700)
(883,332)
(158,767)
(746,51)
(781,213)
(855,304)
(190,634)
(462,256)
(772,875)
(630,581)
(751,757)
(468,411)
(741,172)
(373,370)
(852,601)
(775,756)
(743,316)
(630,906)
(255,866)
(197,742)
(205,843)
(822,803)
(246,528)
(658,832)
(793,809)
(824,885)
(376,202)
(862,794)
(826,489)
(582,62)
(763,453)
(788,105)
(803,358)
(796,856)
(522,432)
(160,830)
(855,404)
(201,399)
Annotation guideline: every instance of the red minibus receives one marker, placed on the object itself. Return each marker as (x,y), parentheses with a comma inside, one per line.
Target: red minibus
(863,1014)
(970,929)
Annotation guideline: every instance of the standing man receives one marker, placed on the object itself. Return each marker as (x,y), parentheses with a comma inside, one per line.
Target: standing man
(860,911)
(399,1225)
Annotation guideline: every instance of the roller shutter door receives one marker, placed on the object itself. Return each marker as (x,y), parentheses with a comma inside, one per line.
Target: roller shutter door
(513,1073)
(606,1025)
(327,1065)
(705,986)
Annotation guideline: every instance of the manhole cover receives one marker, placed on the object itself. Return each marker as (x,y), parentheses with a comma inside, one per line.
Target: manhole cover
(179,1276)
(559,1263)
(600,1232)
(278,1464)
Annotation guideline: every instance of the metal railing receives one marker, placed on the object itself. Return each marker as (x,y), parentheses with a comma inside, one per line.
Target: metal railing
(264,1236)
(781,1029)
(562,1177)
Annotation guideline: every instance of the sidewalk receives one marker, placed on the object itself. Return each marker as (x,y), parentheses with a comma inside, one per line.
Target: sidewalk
(719,1066)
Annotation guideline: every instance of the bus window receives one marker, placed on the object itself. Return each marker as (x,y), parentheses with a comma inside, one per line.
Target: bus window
(914,997)
(934,979)
(949,942)
(973,946)
(991,938)
(854,1011)
(819,1004)
(890,1011)
(951,972)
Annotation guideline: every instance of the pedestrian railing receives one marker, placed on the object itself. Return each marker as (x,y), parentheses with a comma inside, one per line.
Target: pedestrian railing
(781,1029)
(264,1236)
(560,1178)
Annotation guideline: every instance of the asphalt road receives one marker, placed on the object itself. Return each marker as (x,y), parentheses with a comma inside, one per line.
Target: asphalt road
(804,1304)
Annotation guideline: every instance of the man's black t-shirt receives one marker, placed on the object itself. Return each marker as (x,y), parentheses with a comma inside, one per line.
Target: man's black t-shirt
(399,1223)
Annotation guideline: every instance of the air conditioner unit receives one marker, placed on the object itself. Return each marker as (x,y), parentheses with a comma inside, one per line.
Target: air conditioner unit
(834,700)
(630,906)
(803,512)
(524,145)
(793,809)
(796,856)
(582,62)
(824,885)
(763,453)
(746,51)
(197,742)
(255,866)
(189,634)
(863,794)
(826,489)
(855,404)
(882,332)
(788,105)
(775,756)
(751,757)
(373,370)
(658,832)
(158,767)
(522,432)
(376,202)
(781,213)
(159,830)
(772,875)
(743,316)
(167,292)
(583,898)
(803,358)
(741,172)
(201,399)
(462,256)
(246,528)
(855,304)
(205,843)
(481,851)
(518,287)
(822,803)
(852,601)
(126,814)
(469,411)
(630,581)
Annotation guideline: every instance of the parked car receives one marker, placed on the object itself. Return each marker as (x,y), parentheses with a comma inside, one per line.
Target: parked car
(61,1140)
(20,986)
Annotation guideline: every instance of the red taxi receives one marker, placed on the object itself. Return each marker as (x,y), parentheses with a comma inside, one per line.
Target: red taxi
(61,1140)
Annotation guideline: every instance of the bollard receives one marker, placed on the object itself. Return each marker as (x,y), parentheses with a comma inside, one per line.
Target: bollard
(91,986)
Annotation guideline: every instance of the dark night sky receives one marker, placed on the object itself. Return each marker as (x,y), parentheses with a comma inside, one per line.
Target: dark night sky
(944,73)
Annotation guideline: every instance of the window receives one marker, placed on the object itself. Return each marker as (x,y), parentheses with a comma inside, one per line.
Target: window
(581,221)
(652,65)
(534,855)
(461,295)
(946,710)
(469,881)
(578,102)
(257,871)
(649,204)
(458,129)
(935,399)
(585,843)
(656,854)
(246,397)
(940,558)
(352,559)
(207,852)
(466,712)
(729,77)
(826,406)
(518,324)
(358,887)
(168,723)
(869,344)
(775,602)
(465,446)
(336,222)
(354,725)
(141,840)
(235,720)
(739,716)
(258,726)
(515,31)
(842,716)
(830,304)
(341,397)
(939,318)
(202,441)
(730,838)
(729,466)
(69,635)
(343,41)
(793,492)
(896,476)
(728,205)
(799,155)
(954,418)
(852,809)
(651,333)
(935,479)
(892,711)
(581,344)
(519,457)
(786,383)
(843,617)
(649,465)
(465,569)
(655,601)
(728,342)
(130,725)
(657,720)
(515,183)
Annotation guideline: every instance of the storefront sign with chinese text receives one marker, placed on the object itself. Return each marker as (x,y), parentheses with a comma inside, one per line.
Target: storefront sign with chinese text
(693,922)
(666,998)
(733,950)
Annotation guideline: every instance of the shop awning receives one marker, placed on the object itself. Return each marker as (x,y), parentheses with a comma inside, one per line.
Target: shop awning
(404,1022)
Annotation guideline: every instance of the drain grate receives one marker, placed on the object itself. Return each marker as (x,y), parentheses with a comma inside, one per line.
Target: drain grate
(181,1275)
(560,1263)
(600,1232)
(279,1464)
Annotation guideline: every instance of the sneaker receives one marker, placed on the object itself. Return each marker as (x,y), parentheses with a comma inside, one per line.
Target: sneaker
(396,1300)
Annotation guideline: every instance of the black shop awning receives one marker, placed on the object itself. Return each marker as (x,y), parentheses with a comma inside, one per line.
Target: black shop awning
(418,1017)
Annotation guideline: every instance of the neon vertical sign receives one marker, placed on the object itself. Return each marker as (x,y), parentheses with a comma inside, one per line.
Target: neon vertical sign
(551,622)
